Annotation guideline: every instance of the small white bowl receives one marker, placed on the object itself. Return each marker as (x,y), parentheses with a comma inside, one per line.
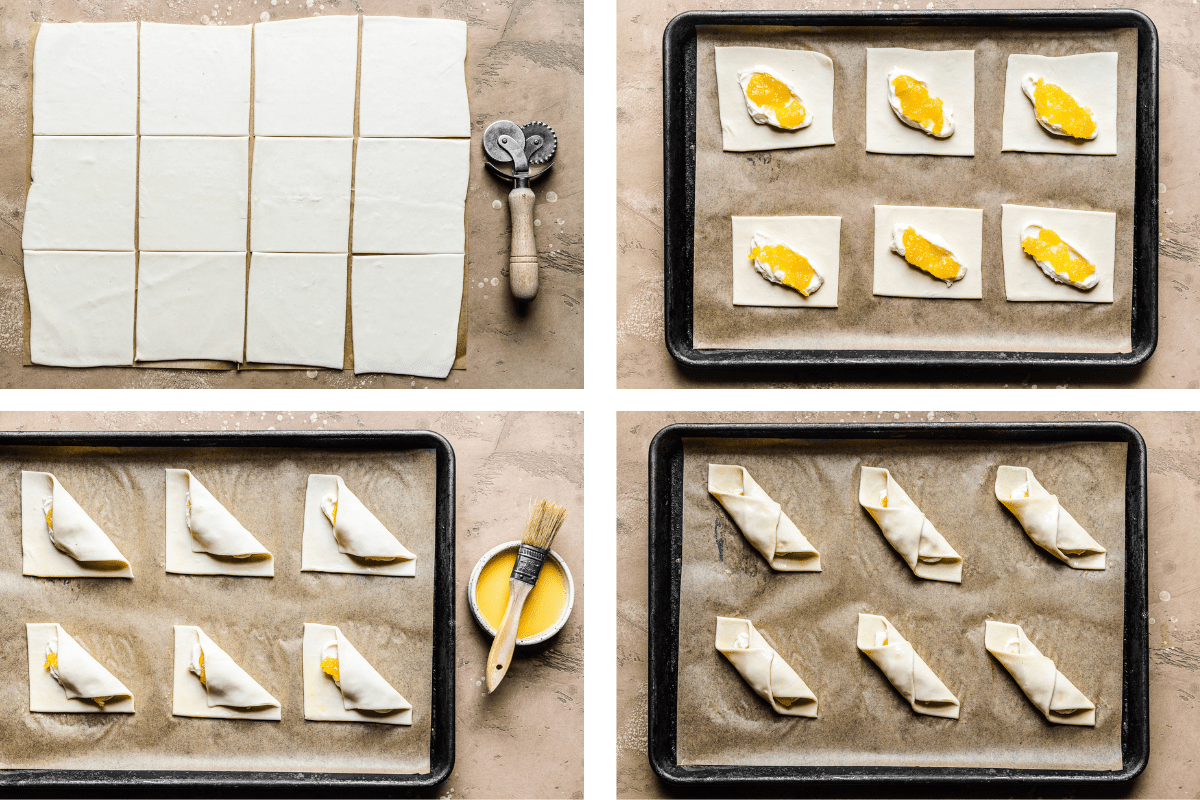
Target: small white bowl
(483,623)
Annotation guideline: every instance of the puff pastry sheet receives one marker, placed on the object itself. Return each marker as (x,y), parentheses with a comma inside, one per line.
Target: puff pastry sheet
(1048,524)
(761,520)
(1047,688)
(764,669)
(904,668)
(907,529)
(83,549)
(228,692)
(82,676)
(362,687)
(358,534)
(186,553)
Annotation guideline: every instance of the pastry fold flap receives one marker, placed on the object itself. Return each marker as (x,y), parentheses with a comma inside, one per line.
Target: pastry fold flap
(214,530)
(225,683)
(358,532)
(1047,688)
(761,520)
(81,676)
(764,669)
(904,668)
(362,687)
(1046,522)
(73,532)
(907,529)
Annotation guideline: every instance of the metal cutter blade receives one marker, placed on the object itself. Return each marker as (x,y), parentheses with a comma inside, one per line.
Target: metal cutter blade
(540,142)
(507,143)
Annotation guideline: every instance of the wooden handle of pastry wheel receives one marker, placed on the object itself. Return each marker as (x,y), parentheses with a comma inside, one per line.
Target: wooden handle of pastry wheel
(522,257)
(500,656)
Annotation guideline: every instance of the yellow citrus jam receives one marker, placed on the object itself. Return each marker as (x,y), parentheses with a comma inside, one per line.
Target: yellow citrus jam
(1049,248)
(203,678)
(924,254)
(330,667)
(51,661)
(916,103)
(797,272)
(544,605)
(1057,107)
(767,91)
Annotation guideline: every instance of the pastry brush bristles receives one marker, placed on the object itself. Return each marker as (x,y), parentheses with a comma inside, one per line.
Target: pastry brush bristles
(545,518)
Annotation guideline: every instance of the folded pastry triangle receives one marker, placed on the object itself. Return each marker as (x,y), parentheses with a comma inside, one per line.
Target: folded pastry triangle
(362,687)
(357,531)
(761,520)
(214,530)
(1046,522)
(763,668)
(1047,688)
(72,531)
(905,668)
(225,683)
(906,528)
(81,676)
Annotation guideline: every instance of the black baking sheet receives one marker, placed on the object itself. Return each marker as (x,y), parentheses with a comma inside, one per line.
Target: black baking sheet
(667,492)
(679,155)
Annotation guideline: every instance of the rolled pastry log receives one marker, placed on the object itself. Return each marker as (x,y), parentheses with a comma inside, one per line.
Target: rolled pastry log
(761,520)
(69,527)
(906,670)
(363,688)
(81,676)
(1044,519)
(225,683)
(214,530)
(1046,687)
(764,669)
(358,532)
(909,531)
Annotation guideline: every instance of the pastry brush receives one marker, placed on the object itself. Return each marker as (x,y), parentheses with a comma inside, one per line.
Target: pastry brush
(545,518)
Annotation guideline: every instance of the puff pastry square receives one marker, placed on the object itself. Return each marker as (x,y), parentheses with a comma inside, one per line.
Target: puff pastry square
(1051,526)
(907,529)
(59,539)
(71,680)
(342,535)
(322,104)
(1047,688)
(85,78)
(768,674)
(358,694)
(226,692)
(203,538)
(904,668)
(195,79)
(83,193)
(761,520)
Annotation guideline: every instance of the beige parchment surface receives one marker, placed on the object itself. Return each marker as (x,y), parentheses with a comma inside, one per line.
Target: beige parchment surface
(1174,564)
(846,181)
(1075,617)
(642,359)
(128,624)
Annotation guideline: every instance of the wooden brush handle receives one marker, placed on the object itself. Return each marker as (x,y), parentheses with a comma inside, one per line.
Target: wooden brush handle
(500,656)
(522,255)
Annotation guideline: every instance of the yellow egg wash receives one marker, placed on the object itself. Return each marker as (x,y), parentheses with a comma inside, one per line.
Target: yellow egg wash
(546,600)
(767,91)
(1057,107)
(924,254)
(797,272)
(1049,248)
(329,666)
(916,103)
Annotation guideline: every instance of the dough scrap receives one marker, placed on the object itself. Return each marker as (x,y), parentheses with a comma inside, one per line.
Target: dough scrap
(1047,688)
(85,78)
(305,71)
(81,307)
(54,527)
(761,520)
(810,73)
(1091,78)
(296,309)
(907,529)
(82,195)
(192,193)
(191,305)
(300,194)
(764,669)
(227,691)
(195,80)
(207,539)
(69,682)
(355,542)
(1094,232)
(816,238)
(1048,524)
(961,227)
(950,75)
(360,694)
(904,668)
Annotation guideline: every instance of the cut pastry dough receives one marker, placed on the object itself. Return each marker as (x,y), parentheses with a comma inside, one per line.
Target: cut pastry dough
(341,686)
(905,668)
(191,305)
(59,539)
(1047,688)
(65,678)
(908,530)
(80,307)
(300,194)
(85,78)
(1090,78)
(761,520)
(817,238)
(768,674)
(195,80)
(209,683)
(192,193)
(342,535)
(324,50)
(203,538)
(961,228)
(83,193)
(296,309)
(1093,232)
(806,73)
(1051,526)
(949,76)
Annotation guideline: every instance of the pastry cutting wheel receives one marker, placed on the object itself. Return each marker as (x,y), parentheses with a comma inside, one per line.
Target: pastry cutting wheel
(506,142)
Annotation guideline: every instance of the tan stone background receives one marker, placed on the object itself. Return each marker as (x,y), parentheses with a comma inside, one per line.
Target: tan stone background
(642,357)
(525,62)
(1172,440)
(536,716)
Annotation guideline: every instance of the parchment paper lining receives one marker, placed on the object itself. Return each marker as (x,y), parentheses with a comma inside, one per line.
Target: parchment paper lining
(127,625)
(1075,617)
(844,180)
